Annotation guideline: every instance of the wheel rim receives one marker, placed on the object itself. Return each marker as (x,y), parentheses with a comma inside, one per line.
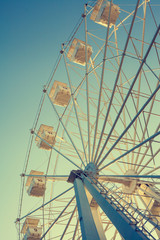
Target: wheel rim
(92,128)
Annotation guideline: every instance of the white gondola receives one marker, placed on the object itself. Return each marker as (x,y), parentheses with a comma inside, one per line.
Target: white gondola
(36,185)
(48,135)
(100,13)
(31,230)
(60,94)
(76,52)
(33,233)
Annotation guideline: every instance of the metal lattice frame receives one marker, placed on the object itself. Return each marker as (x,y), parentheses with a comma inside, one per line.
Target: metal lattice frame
(109,132)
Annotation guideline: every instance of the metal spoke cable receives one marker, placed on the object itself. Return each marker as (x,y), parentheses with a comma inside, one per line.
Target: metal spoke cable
(65,130)
(147,122)
(132,149)
(87,89)
(58,217)
(57,151)
(101,82)
(18,220)
(67,225)
(140,162)
(114,88)
(132,85)
(75,108)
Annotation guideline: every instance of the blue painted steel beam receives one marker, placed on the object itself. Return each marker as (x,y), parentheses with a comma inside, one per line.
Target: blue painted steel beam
(112,176)
(119,220)
(130,176)
(88,227)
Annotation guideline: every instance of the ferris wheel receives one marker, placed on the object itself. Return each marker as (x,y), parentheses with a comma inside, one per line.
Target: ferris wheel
(92,169)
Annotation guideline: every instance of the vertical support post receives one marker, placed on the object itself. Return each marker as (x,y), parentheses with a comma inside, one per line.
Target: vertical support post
(120,221)
(98,222)
(96,215)
(88,227)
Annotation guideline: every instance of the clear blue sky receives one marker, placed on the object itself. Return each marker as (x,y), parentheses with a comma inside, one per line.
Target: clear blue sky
(31,35)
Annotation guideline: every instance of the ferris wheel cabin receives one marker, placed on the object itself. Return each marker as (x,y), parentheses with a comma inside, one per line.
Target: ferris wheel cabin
(100,13)
(76,52)
(31,230)
(60,94)
(36,185)
(47,134)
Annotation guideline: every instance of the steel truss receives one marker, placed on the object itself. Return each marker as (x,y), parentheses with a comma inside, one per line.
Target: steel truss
(108,131)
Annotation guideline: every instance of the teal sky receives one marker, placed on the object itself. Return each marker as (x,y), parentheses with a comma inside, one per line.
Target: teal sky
(32,32)
(30,39)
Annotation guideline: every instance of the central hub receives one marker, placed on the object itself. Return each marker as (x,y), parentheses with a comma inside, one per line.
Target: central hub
(91,170)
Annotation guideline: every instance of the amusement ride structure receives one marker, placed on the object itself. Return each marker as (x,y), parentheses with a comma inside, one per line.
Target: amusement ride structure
(92,169)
